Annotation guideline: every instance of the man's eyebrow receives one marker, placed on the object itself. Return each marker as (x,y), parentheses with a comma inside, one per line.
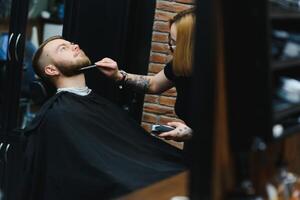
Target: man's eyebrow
(64,44)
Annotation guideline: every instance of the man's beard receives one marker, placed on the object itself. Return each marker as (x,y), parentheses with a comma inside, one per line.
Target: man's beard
(73,69)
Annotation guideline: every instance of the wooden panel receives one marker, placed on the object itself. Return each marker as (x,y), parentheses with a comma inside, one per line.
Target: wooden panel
(263,164)
(223,176)
(4,25)
(163,190)
(292,153)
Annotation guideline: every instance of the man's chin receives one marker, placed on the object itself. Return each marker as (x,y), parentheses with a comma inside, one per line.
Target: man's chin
(71,73)
(74,69)
(68,72)
(85,63)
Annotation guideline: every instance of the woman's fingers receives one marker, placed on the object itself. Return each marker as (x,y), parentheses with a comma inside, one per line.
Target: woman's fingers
(107,63)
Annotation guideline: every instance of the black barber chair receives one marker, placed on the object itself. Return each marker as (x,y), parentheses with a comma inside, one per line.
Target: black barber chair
(12,147)
(37,96)
(2,64)
(38,92)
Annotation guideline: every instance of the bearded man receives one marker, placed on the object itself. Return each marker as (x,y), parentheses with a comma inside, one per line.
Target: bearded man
(81,146)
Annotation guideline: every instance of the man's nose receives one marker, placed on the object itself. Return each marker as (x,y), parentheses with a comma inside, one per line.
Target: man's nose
(75,46)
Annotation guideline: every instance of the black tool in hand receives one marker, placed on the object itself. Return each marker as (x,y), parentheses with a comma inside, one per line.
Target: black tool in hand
(157,129)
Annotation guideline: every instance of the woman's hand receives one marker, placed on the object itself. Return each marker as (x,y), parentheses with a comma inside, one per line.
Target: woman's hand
(109,68)
(181,132)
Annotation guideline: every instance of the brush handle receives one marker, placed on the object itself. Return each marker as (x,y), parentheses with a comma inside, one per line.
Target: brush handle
(87,67)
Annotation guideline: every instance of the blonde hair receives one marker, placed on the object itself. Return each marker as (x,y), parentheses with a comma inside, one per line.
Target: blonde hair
(183,54)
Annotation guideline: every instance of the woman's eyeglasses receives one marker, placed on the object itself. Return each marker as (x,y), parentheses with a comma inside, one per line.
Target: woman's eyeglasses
(171,43)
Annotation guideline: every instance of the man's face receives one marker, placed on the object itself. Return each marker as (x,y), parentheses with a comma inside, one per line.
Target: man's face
(66,56)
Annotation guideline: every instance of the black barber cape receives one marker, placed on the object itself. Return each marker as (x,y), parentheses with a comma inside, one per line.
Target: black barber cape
(86,148)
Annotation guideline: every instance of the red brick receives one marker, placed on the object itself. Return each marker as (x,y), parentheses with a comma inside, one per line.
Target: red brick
(150,118)
(161,26)
(155,68)
(165,120)
(171,92)
(159,37)
(160,47)
(163,15)
(167,101)
(154,108)
(172,7)
(185,1)
(171,114)
(158,58)
(146,126)
(151,98)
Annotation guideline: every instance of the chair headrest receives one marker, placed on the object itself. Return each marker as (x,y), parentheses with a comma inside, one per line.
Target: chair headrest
(38,92)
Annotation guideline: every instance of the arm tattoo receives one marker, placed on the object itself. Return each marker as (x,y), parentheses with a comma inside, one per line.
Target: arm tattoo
(186,132)
(138,83)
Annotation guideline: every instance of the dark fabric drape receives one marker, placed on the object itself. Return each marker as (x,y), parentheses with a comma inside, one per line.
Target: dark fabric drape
(84,147)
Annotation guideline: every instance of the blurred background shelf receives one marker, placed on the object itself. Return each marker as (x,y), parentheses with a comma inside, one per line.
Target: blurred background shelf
(292,130)
(277,13)
(285,110)
(285,64)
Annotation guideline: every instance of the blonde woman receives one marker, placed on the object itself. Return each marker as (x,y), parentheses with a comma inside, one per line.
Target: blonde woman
(176,73)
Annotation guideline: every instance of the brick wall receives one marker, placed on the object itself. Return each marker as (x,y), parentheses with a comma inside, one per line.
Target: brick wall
(158,109)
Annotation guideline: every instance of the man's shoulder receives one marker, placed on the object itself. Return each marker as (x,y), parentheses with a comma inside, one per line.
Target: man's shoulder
(47,111)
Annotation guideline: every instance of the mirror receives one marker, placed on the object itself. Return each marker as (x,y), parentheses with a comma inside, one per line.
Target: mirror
(125,35)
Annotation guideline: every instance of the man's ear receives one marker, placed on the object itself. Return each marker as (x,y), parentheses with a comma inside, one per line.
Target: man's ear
(51,70)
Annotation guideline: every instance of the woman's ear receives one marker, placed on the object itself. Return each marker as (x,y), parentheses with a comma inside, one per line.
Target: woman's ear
(51,70)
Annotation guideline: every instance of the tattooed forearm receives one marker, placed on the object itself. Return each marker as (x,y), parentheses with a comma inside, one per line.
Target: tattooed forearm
(138,83)
(184,133)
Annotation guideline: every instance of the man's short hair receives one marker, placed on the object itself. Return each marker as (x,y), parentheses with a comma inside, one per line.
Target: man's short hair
(36,64)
